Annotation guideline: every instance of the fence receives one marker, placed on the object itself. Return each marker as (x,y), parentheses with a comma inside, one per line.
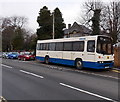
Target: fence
(117,57)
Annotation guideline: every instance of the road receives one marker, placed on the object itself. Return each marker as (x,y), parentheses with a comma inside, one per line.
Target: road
(30,80)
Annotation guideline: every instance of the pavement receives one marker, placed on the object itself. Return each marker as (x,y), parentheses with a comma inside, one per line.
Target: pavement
(32,80)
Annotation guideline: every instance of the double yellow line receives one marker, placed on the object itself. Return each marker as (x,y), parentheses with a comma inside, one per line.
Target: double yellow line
(116,71)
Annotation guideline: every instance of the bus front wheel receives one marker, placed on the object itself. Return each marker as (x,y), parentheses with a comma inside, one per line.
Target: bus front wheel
(79,64)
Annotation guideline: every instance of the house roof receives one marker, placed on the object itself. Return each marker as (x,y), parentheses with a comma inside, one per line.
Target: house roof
(77,28)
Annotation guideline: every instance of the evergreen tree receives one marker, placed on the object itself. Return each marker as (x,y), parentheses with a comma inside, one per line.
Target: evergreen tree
(45,23)
(59,25)
(96,22)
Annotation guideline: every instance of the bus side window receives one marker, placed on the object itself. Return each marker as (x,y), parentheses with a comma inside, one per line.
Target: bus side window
(91,46)
(78,46)
(41,46)
(59,46)
(52,46)
(81,46)
(47,46)
(67,46)
(38,46)
(44,45)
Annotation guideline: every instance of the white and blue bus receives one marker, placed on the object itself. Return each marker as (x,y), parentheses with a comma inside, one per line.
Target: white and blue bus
(87,51)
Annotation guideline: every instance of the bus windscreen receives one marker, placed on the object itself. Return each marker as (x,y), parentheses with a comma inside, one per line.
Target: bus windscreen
(104,45)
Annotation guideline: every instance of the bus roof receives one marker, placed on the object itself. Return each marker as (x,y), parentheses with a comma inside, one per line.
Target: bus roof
(83,38)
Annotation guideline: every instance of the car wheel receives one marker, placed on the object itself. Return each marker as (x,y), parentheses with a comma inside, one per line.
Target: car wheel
(79,64)
(18,58)
(24,59)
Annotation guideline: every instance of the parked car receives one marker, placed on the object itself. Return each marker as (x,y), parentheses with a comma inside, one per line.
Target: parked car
(0,54)
(26,56)
(5,55)
(13,55)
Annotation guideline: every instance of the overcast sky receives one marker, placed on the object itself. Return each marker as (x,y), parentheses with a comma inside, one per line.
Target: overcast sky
(71,9)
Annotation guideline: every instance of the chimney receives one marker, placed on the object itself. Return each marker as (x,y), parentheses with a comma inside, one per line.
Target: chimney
(69,25)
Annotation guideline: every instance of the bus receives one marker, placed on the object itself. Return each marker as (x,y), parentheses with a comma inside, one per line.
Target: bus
(82,52)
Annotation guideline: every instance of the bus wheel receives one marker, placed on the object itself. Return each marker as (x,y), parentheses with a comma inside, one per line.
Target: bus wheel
(47,60)
(79,64)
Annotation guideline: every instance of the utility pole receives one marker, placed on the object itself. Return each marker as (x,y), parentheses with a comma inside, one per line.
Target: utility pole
(53,25)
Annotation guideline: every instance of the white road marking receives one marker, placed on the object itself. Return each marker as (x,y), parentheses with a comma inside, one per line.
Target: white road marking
(6,66)
(84,91)
(32,74)
(2,99)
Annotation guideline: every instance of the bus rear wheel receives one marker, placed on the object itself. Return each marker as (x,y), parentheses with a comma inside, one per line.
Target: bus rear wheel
(79,64)
(47,60)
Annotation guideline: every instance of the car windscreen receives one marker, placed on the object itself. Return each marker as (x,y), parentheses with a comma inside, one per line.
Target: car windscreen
(14,53)
(27,53)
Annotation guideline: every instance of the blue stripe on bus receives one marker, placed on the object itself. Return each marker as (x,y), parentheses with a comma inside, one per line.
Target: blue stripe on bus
(86,64)
(62,61)
(40,58)
(96,65)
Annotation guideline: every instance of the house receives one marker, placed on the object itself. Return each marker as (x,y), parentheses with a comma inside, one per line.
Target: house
(76,30)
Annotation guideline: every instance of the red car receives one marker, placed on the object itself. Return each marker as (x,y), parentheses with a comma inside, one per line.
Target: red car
(26,56)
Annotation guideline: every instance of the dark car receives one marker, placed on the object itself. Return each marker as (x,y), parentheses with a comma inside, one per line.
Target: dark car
(26,56)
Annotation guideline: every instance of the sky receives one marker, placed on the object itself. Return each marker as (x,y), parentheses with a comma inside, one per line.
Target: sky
(70,9)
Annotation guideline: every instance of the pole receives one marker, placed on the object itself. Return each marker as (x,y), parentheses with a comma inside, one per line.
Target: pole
(53,25)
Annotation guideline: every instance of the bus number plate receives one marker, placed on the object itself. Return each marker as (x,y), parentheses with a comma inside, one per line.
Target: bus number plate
(107,67)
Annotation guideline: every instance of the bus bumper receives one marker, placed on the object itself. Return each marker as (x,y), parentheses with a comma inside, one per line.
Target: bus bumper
(97,65)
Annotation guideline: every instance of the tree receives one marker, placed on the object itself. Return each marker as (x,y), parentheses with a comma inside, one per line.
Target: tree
(92,14)
(30,42)
(33,41)
(6,32)
(18,40)
(96,22)
(18,21)
(111,20)
(59,25)
(12,30)
(7,37)
(45,23)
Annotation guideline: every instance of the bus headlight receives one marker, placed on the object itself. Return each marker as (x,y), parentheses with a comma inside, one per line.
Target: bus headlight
(100,62)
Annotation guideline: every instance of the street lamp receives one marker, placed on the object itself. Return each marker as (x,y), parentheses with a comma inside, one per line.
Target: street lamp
(53,25)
